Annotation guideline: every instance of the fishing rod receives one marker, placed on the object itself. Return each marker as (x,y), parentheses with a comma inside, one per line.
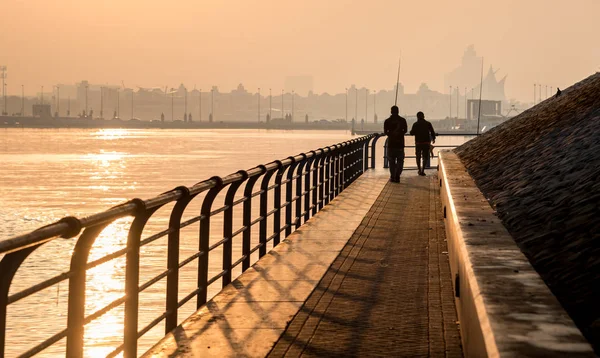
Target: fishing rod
(480,88)
(398,79)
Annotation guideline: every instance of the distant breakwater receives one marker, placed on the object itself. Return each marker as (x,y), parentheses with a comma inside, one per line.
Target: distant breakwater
(77,122)
(84,123)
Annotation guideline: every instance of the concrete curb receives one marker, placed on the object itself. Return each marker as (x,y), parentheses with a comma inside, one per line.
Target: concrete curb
(504,307)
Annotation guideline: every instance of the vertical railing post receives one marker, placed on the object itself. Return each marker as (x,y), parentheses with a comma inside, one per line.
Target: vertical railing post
(359,154)
(228,227)
(365,155)
(327,181)
(8,267)
(132,278)
(307,190)
(351,165)
(322,181)
(386,163)
(172,299)
(77,284)
(354,155)
(277,203)
(204,240)
(247,218)
(343,157)
(298,203)
(264,197)
(336,169)
(288,196)
(356,150)
(373,147)
(334,155)
(340,168)
(315,182)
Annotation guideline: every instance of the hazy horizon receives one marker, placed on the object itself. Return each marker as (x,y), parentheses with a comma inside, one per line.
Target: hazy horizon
(339,43)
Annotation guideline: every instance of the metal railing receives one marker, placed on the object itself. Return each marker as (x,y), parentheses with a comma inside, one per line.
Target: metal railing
(438,147)
(311,180)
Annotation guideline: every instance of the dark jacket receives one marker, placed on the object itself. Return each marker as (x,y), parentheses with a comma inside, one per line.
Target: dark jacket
(422,130)
(395,128)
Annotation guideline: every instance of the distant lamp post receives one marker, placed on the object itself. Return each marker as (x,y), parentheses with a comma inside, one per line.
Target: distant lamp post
(258,104)
(5,112)
(172,105)
(86,100)
(356,104)
(457,99)
(200,106)
(366,104)
(3,76)
(185,106)
(450,116)
(212,105)
(375,106)
(132,103)
(101,102)
(270,105)
(346,104)
(58,101)
(465,102)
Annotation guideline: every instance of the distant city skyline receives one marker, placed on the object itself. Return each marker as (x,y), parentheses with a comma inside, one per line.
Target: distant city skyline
(338,42)
(463,78)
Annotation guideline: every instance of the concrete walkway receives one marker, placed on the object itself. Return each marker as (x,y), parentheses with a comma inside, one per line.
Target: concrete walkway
(367,276)
(389,291)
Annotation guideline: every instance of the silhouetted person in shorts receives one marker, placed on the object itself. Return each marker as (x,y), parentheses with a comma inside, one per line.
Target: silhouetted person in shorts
(395,128)
(422,130)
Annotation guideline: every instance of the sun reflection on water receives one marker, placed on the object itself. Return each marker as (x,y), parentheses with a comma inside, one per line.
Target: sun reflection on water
(104,158)
(110,134)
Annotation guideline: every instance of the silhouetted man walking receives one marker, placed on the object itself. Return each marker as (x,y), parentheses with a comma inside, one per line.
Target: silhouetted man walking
(395,128)
(424,136)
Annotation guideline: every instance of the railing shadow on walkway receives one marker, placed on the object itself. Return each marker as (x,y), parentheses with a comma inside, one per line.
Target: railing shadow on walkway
(310,181)
(251,292)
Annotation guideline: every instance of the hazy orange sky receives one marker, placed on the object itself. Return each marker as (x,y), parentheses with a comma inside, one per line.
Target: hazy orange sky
(259,43)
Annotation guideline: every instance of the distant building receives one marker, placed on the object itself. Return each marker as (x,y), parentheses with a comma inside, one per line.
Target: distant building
(492,88)
(489,109)
(468,75)
(41,110)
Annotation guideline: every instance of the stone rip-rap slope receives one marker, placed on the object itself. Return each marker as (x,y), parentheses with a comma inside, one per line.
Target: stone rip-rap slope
(541,172)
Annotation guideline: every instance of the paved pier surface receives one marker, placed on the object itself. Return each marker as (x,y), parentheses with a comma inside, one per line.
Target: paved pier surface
(389,292)
(367,276)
